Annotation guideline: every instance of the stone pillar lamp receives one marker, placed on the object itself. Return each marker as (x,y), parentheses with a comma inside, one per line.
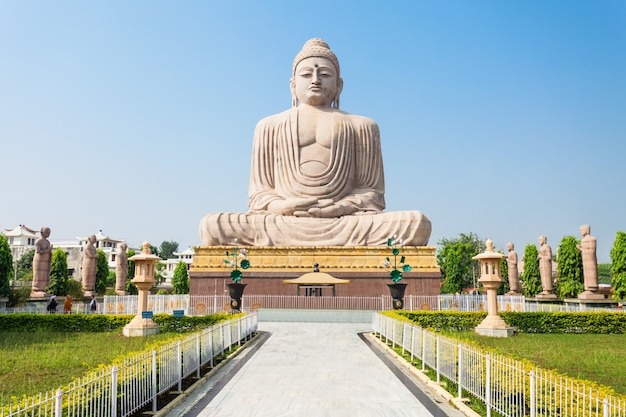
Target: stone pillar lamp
(142,324)
(490,277)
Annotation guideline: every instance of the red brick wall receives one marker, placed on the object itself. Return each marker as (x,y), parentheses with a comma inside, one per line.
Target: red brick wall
(361,284)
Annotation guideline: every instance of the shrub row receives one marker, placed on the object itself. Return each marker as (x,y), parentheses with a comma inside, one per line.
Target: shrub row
(542,322)
(101,322)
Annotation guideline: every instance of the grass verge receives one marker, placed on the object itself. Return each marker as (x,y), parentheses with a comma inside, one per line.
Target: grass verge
(34,362)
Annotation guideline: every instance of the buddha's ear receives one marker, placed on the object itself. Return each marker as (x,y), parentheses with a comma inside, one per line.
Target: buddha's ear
(294,98)
(338,93)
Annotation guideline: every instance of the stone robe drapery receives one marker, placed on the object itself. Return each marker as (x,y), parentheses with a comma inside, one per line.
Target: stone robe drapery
(354,178)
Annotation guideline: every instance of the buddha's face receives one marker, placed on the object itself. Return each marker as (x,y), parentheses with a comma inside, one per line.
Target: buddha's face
(315,81)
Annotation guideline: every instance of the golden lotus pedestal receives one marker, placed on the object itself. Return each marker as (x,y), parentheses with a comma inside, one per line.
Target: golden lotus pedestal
(270,265)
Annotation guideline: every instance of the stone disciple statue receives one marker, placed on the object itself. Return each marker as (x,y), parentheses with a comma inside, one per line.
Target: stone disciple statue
(545,266)
(90,262)
(41,264)
(121,270)
(317,173)
(511,262)
(587,248)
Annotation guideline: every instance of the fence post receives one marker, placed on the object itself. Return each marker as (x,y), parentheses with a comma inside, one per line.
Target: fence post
(58,404)
(199,352)
(488,384)
(222,340)
(154,380)
(412,342)
(423,350)
(114,390)
(533,398)
(437,358)
(460,371)
(393,334)
(606,407)
(179,360)
(211,335)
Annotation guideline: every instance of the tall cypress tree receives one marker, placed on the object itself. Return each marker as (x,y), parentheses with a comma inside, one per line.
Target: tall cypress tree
(569,268)
(6,266)
(58,273)
(618,266)
(531,277)
(180,281)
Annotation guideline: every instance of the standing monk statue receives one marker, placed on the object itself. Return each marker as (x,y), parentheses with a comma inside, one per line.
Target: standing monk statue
(545,267)
(587,248)
(121,270)
(90,262)
(511,262)
(317,173)
(41,264)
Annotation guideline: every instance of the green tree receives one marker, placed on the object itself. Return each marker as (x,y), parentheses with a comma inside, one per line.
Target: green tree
(180,281)
(24,266)
(130,286)
(6,267)
(58,273)
(504,272)
(454,257)
(604,274)
(531,277)
(618,266)
(569,268)
(102,272)
(453,281)
(131,264)
(167,249)
(155,250)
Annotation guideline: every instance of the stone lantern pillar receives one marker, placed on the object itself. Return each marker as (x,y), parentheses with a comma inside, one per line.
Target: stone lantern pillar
(142,324)
(490,277)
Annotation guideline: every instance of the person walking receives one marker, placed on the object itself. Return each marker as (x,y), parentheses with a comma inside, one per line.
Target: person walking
(93,304)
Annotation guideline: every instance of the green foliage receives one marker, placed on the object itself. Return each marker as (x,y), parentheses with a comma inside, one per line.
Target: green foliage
(75,289)
(454,257)
(454,276)
(155,250)
(158,273)
(167,249)
(24,266)
(58,273)
(111,277)
(6,267)
(131,264)
(569,268)
(101,322)
(618,266)
(19,296)
(543,322)
(180,281)
(531,278)
(504,271)
(102,272)
(604,274)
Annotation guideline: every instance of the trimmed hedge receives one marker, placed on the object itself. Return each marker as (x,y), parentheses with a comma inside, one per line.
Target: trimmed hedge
(101,322)
(542,322)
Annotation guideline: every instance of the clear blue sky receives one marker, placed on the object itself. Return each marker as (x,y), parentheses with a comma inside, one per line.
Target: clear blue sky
(502,118)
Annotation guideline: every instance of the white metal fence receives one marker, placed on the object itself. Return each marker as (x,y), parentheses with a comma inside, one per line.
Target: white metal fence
(505,385)
(208,304)
(124,388)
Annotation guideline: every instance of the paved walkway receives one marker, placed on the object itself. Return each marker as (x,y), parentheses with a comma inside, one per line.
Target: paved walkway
(309,369)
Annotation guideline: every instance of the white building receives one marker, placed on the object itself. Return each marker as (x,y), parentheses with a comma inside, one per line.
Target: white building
(185,256)
(21,239)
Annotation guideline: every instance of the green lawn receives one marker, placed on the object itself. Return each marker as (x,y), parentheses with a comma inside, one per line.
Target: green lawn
(34,362)
(595,357)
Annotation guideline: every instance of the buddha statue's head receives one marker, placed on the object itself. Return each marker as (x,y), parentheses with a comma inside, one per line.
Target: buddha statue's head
(316,60)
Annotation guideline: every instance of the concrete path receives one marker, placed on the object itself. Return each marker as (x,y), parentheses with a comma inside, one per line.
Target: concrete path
(309,369)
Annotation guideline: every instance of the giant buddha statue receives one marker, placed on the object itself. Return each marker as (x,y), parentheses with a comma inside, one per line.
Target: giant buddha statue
(317,173)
